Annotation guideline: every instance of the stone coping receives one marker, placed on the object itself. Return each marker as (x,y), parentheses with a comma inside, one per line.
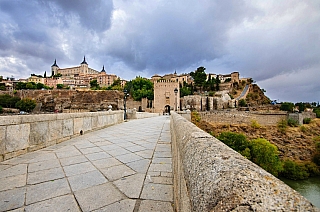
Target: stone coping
(209,176)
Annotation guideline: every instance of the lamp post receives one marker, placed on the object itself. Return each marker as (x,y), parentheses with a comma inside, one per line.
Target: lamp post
(175,93)
(125,103)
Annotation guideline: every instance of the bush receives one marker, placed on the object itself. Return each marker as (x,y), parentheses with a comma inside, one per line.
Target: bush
(255,124)
(266,155)
(306,120)
(303,129)
(236,141)
(242,103)
(294,171)
(282,126)
(287,106)
(1,110)
(316,156)
(293,123)
(26,105)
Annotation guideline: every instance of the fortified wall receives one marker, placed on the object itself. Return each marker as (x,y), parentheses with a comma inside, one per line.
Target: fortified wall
(209,176)
(25,133)
(246,117)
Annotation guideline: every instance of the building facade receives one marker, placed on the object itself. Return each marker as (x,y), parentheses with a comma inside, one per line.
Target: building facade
(165,97)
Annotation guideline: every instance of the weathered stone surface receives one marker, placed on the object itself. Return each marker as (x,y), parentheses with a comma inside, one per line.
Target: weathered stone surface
(63,203)
(12,199)
(213,177)
(2,139)
(55,130)
(77,125)
(126,205)
(87,124)
(47,190)
(117,172)
(131,186)
(45,175)
(39,133)
(151,205)
(139,165)
(14,170)
(15,181)
(17,137)
(78,168)
(157,192)
(42,165)
(73,160)
(86,180)
(97,196)
(67,127)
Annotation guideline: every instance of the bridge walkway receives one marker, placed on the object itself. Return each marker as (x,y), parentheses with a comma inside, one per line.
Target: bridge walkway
(125,167)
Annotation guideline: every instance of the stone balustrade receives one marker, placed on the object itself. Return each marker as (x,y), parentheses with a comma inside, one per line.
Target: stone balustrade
(24,133)
(209,176)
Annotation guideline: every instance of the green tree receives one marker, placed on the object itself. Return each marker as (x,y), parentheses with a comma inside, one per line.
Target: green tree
(59,86)
(294,171)
(242,103)
(266,155)
(236,141)
(301,106)
(199,77)
(140,88)
(185,91)
(2,87)
(1,110)
(21,85)
(8,101)
(31,85)
(26,104)
(40,85)
(287,106)
(94,85)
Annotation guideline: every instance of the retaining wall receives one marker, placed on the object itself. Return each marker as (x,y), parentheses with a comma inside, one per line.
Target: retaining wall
(242,117)
(25,133)
(209,176)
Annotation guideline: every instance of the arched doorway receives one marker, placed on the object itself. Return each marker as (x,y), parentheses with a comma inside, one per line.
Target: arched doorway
(167,109)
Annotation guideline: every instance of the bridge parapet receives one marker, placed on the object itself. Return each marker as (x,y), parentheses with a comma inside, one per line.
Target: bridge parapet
(26,133)
(209,176)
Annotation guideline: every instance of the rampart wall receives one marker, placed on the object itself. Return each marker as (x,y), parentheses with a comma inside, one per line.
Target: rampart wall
(209,176)
(25,133)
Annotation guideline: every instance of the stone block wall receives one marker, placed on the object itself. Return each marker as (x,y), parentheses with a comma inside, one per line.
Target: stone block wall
(24,133)
(242,117)
(209,176)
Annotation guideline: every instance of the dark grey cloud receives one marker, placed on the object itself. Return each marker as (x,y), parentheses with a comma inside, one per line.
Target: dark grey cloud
(276,43)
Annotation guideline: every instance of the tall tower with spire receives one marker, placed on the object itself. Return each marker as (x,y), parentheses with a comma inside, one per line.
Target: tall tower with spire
(54,68)
(84,66)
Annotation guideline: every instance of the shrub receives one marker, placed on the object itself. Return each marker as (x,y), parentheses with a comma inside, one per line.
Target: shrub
(316,156)
(1,110)
(242,103)
(282,126)
(294,171)
(26,104)
(266,155)
(303,129)
(236,141)
(306,120)
(255,124)
(287,106)
(293,123)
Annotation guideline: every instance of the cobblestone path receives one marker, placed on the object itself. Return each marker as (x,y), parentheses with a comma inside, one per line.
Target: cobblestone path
(126,167)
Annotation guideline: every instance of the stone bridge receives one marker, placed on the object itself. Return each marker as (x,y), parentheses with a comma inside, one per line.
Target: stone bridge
(98,162)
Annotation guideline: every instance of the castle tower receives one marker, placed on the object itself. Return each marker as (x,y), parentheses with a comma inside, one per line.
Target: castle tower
(165,97)
(103,70)
(54,68)
(84,66)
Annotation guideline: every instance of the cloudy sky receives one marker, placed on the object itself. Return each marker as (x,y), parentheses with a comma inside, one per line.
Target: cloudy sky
(277,43)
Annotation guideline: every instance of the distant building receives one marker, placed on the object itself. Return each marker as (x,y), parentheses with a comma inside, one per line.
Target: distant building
(165,98)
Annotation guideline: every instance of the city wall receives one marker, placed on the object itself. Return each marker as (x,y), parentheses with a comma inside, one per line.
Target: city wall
(209,176)
(25,133)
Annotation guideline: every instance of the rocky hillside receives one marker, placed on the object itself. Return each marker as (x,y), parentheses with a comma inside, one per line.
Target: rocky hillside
(59,100)
(256,96)
(296,143)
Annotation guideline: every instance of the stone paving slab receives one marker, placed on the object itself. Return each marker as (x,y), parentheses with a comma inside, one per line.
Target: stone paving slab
(125,167)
